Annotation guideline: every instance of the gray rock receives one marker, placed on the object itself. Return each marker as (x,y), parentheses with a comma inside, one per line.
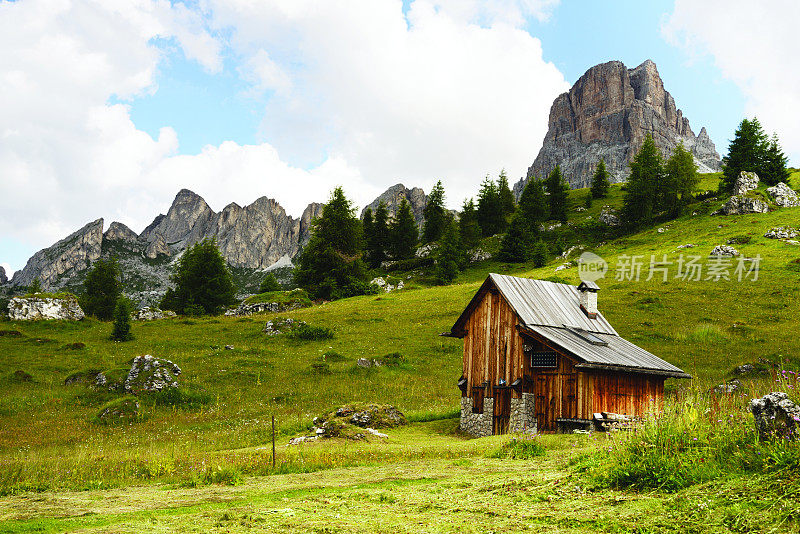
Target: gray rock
(479,255)
(775,415)
(724,250)
(746,181)
(609,216)
(119,232)
(151,314)
(149,374)
(607,114)
(728,388)
(781,232)
(3,277)
(385,286)
(39,308)
(72,254)
(783,195)
(687,245)
(281,325)
(426,250)
(392,198)
(125,410)
(156,247)
(740,205)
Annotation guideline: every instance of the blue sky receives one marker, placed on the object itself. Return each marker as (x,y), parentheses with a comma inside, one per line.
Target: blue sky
(112,107)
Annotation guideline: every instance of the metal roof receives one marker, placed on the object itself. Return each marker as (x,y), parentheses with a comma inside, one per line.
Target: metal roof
(618,353)
(553,311)
(538,302)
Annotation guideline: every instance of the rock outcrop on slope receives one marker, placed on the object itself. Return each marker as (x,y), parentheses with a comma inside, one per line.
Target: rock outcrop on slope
(37,308)
(607,114)
(72,254)
(251,238)
(393,196)
(3,277)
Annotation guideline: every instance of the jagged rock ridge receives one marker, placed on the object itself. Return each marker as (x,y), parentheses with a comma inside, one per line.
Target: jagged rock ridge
(392,198)
(607,114)
(253,237)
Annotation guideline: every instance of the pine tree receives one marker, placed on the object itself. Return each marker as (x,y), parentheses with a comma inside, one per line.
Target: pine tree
(558,190)
(746,152)
(490,211)
(203,283)
(680,180)
(468,225)
(101,289)
(434,214)
(122,320)
(507,204)
(539,254)
(378,243)
(600,183)
(269,284)
(533,205)
(647,172)
(330,265)
(516,242)
(450,254)
(35,287)
(774,168)
(403,233)
(368,227)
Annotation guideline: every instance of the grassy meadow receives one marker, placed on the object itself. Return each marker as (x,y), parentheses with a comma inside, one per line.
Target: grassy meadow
(203,465)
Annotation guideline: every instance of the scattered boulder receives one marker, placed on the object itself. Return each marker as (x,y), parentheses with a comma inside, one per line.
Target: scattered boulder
(479,255)
(35,308)
(426,250)
(19,376)
(746,181)
(78,345)
(724,250)
(781,232)
(366,364)
(151,314)
(86,377)
(580,209)
(10,333)
(229,347)
(775,415)
(352,421)
(687,245)
(281,325)
(609,216)
(386,286)
(740,205)
(124,410)
(149,374)
(728,388)
(783,195)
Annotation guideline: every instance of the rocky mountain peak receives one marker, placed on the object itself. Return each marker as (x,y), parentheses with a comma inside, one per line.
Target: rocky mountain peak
(607,114)
(3,277)
(118,231)
(393,197)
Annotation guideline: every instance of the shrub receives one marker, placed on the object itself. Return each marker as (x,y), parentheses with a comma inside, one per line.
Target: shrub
(226,475)
(268,284)
(306,332)
(122,320)
(393,359)
(193,310)
(519,449)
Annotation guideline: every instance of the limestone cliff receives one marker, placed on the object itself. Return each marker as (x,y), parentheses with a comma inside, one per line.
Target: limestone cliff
(607,114)
(393,196)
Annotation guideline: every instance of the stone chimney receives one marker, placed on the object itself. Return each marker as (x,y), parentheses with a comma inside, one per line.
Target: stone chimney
(588,298)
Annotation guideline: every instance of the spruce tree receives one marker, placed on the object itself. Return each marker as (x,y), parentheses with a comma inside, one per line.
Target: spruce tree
(434,214)
(368,227)
(516,242)
(746,152)
(101,289)
(539,253)
(558,189)
(122,320)
(774,167)
(490,211)
(203,283)
(600,182)
(403,232)
(507,204)
(533,205)
(468,225)
(269,284)
(450,254)
(378,243)
(680,180)
(330,265)
(639,205)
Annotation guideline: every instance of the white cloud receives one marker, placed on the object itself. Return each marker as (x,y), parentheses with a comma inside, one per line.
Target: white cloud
(755,45)
(368,95)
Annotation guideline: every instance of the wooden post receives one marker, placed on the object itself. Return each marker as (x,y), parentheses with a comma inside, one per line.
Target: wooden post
(273,442)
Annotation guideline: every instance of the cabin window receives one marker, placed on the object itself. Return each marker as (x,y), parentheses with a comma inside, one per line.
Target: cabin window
(544,358)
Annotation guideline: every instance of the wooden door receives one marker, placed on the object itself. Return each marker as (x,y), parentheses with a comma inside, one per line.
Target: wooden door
(569,396)
(547,400)
(502,411)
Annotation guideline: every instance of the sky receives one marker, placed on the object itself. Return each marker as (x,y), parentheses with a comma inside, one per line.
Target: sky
(109,107)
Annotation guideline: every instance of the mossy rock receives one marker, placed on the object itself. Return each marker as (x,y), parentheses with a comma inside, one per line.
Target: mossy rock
(21,377)
(368,415)
(87,377)
(113,379)
(119,411)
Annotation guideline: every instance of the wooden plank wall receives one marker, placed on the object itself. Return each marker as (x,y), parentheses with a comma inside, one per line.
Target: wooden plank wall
(626,393)
(493,347)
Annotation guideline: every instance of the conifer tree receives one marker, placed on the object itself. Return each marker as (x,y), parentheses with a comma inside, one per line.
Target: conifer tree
(368,227)
(468,225)
(639,205)
(450,254)
(516,242)
(203,283)
(680,180)
(490,211)
(403,232)
(122,320)
(600,182)
(533,205)
(774,168)
(330,265)
(558,189)
(746,152)
(101,289)
(539,253)
(378,243)
(434,214)
(507,204)
(269,284)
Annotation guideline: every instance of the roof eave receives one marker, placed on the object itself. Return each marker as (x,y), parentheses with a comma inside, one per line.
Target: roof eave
(629,369)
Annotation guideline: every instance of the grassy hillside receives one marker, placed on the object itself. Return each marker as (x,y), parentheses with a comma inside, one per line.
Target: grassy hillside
(48,440)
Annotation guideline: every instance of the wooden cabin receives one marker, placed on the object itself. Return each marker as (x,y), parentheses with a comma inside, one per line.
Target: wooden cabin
(538,356)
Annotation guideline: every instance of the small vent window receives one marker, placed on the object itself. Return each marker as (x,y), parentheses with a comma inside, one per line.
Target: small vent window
(543,359)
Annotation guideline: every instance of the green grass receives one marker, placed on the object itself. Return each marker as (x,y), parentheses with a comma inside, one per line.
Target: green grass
(296,296)
(213,454)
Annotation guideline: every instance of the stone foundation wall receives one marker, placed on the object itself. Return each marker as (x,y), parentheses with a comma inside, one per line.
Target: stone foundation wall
(477,424)
(523,414)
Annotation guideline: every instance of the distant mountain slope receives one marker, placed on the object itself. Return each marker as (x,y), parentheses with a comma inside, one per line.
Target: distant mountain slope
(607,114)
